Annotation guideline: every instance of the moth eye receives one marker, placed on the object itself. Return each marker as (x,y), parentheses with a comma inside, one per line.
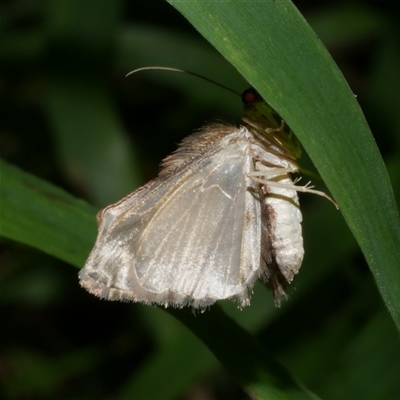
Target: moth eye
(250,95)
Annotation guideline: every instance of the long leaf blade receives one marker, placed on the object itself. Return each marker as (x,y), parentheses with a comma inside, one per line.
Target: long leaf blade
(37,213)
(273,47)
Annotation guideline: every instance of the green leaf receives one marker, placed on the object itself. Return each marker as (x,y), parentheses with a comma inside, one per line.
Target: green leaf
(39,214)
(274,48)
(43,216)
(243,356)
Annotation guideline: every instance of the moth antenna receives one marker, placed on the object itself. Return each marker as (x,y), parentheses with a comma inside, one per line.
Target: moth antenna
(185,72)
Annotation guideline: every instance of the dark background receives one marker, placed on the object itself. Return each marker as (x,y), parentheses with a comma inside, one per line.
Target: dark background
(68,115)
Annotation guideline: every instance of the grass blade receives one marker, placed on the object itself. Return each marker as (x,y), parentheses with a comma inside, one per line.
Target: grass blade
(274,48)
(39,214)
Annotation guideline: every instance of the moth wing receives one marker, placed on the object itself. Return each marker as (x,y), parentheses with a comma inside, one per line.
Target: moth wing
(188,238)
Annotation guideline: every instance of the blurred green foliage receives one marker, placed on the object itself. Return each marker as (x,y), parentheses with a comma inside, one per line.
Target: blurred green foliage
(68,115)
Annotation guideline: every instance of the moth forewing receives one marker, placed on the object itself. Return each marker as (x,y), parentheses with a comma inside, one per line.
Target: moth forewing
(190,237)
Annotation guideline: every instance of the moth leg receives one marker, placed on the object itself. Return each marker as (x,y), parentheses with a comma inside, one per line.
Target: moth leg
(280,129)
(305,189)
(262,128)
(271,172)
(263,165)
(265,175)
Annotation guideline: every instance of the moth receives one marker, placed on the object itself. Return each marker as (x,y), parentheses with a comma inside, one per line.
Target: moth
(223,213)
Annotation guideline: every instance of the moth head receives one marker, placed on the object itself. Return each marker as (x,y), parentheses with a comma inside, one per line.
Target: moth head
(269,122)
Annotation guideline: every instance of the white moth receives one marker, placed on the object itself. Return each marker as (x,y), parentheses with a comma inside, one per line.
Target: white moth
(222,214)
